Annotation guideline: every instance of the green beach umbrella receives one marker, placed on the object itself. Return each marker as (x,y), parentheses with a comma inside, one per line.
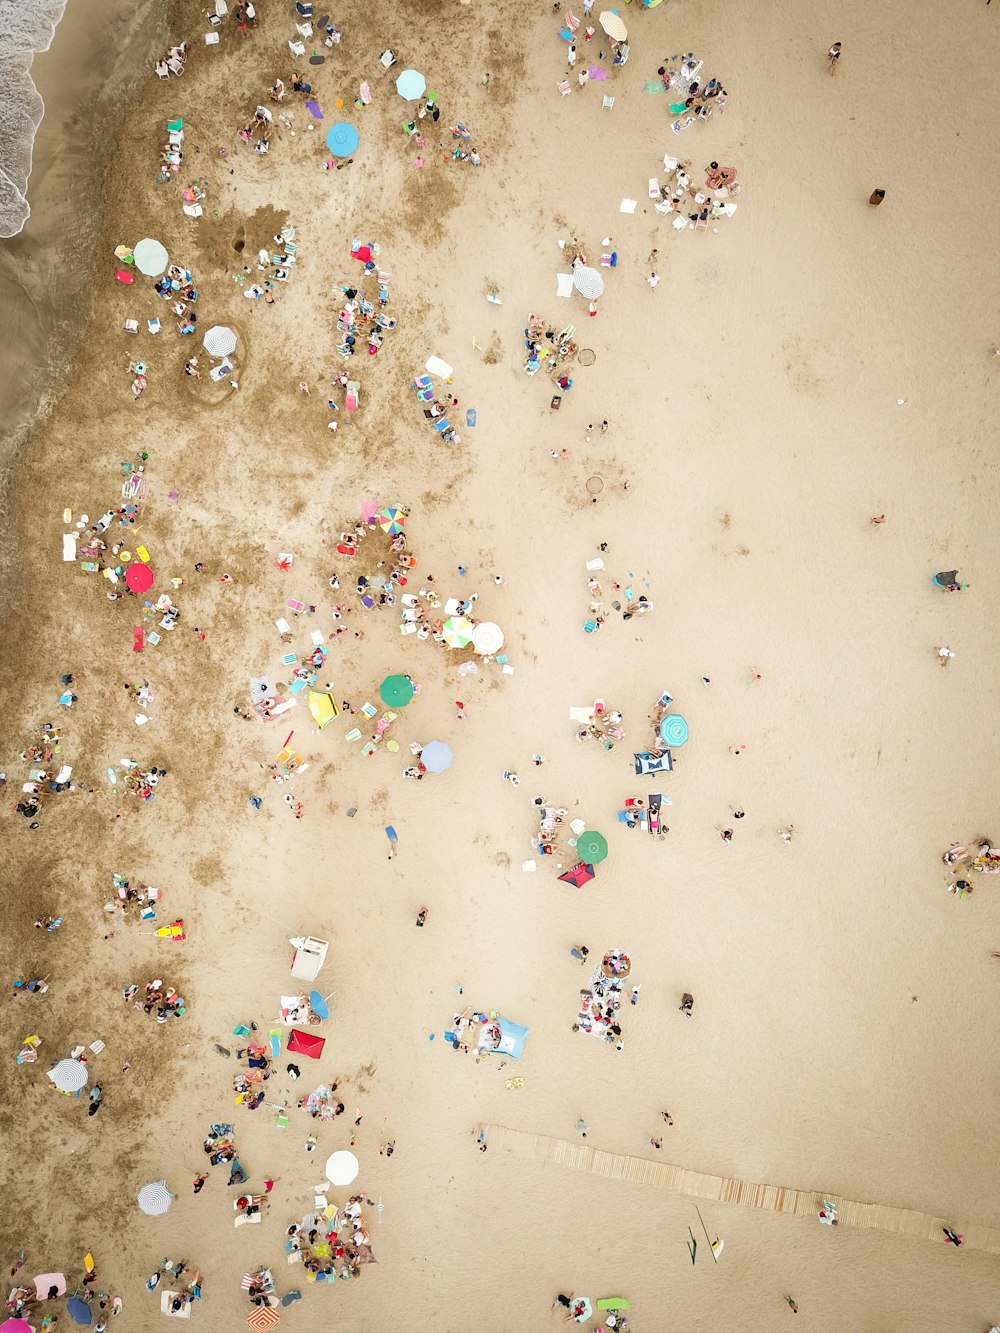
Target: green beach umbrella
(396,691)
(591,847)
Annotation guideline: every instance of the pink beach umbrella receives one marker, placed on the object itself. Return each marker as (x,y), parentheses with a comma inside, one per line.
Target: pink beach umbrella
(139,577)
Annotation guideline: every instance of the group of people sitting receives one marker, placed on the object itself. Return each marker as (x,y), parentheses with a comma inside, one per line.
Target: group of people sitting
(543,343)
(695,100)
(173,61)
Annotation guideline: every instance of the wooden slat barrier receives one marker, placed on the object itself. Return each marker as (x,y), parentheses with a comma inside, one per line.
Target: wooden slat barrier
(744,1193)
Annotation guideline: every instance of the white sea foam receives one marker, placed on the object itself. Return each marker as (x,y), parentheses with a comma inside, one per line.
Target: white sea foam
(26,27)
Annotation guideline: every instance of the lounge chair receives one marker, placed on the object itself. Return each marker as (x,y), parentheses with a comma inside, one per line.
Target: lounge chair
(351,395)
(564,88)
(679,223)
(654,188)
(608,102)
(296,48)
(441,425)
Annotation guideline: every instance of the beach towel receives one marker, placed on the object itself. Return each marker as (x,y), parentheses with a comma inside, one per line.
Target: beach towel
(312,106)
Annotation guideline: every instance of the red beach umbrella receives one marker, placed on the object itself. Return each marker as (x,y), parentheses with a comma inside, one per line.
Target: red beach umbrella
(139,577)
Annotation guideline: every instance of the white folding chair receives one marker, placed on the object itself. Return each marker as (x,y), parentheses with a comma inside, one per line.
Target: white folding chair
(296,48)
(608,102)
(564,88)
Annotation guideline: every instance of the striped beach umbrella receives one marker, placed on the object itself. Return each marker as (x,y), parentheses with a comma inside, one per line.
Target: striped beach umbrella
(263,1317)
(154,1198)
(674,730)
(457,631)
(69,1075)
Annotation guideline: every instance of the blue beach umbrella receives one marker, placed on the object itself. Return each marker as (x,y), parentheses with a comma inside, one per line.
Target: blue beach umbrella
(673,730)
(79,1311)
(411,84)
(342,139)
(318,1005)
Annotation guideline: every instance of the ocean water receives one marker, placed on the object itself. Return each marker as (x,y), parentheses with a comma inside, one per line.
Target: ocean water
(26,27)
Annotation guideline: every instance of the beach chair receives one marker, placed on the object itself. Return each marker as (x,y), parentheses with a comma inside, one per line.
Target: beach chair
(162,72)
(702,223)
(131,326)
(296,48)
(351,395)
(608,102)
(572,22)
(664,206)
(441,425)
(654,187)
(679,223)
(729,209)
(193,210)
(564,88)
(670,164)
(304,29)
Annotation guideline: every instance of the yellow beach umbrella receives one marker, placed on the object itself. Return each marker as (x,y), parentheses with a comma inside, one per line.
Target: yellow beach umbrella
(323,708)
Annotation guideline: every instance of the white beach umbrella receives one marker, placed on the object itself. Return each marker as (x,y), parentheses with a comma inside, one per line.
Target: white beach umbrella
(69,1075)
(588,282)
(487,638)
(150,257)
(342,1167)
(155,1198)
(613,24)
(220,340)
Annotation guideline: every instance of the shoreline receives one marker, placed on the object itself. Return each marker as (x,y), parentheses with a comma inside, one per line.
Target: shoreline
(45,293)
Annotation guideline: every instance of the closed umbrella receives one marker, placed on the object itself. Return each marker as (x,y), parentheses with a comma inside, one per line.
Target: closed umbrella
(139,577)
(674,729)
(391,520)
(151,257)
(342,1167)
(411,84)
(155,1198)
(342,139)
(396,691)
(69,1075)
(612,23)
(457,631)
(220,340)
(487,637)
(588,282)
(79,1311)
(436,757)
(591,847)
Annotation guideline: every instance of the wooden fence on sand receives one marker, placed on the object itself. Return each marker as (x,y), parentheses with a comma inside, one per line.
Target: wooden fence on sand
(725,1189)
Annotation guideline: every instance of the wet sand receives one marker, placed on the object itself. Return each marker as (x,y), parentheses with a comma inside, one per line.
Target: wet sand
(752,401)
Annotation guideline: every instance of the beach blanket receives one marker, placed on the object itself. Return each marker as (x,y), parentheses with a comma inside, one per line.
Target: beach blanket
(313,106)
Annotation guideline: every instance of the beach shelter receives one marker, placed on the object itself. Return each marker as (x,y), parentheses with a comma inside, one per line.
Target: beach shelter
(487,638)
(69,1075)
(219,340)
(44,1283)
(391,520)
(436,757)
(396,691)
(457,631)
(342,139)
(151,257)
(592,847)
(579,875)
(342,1167)
(304,1043)
(139,577)
(588,282)
(613,24)
(79,1311)
(411,84)
(323,708)
(674,729)
(154,1198)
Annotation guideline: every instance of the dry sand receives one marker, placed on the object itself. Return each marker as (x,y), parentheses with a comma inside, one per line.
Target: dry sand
(753,407)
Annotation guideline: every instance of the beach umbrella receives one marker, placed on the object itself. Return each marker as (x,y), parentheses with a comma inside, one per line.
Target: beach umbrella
(579,875)
(342,139)
(322,707)
(263,1317)
(342,1167)
(79,1311)
(674,729)
(457,631)
(155,1198)
(436,757)
(16,1326)
(151,257)
(612,23)
(318,1005)
(69,1075)
(588,282)
(391,520)
(592,847)
(487,637)
(396,691)
(139,577)
(410,85)
(219,340)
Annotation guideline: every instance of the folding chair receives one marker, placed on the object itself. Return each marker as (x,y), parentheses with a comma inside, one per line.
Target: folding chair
(608,102)
(654,188)
(564,88)
(296,48)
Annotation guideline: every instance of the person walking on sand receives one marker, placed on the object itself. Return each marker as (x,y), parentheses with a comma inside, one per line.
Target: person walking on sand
(581,1127)
(944,654)
(199,1183)
(666,1117)
(657,1143)
(687,1004)
(833,56)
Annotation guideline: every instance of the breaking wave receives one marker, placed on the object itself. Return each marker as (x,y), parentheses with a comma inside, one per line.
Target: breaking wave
(25,29)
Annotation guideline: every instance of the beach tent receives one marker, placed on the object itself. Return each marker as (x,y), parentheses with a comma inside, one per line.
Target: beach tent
(579,875)
(323,708)
(151,257)
(304,1043)
(342,139)
(396,691)
(411,84)
(219,340)
(69,1075)
(309,957)
(512,1037)
(646,763)
(436,757)
(342,1167)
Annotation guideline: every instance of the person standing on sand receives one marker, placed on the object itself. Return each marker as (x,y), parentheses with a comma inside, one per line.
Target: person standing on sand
(876,198)
(833,56)
(687,1004)
(581,1127)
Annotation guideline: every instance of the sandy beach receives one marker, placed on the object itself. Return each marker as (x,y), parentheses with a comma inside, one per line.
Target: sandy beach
(805,365)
